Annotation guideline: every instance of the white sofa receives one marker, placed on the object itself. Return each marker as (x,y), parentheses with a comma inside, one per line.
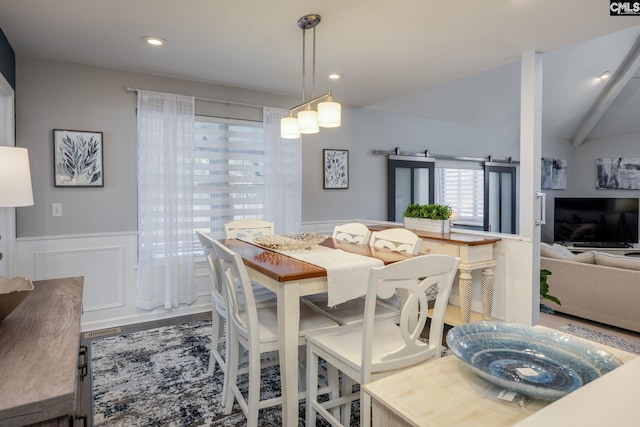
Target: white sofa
(597,286)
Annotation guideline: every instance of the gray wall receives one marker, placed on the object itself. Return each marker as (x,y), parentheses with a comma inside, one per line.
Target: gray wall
(55,95)
(581,169)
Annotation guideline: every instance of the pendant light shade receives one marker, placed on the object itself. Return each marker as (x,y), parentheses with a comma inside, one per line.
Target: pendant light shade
(308,121)
(328,112)
(289,128)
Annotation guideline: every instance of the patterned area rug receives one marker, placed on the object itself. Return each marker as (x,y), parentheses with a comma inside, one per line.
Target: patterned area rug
(602,338)
(158,377)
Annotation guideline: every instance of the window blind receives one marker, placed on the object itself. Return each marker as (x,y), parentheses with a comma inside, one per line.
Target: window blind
(229,172)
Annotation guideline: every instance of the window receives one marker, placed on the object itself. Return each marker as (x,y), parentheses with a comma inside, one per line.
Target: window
(229,172)
(463,190)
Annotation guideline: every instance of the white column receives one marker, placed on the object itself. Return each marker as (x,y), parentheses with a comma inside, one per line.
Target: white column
(522,299)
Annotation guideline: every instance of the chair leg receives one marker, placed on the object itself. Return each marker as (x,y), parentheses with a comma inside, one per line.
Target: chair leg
(346,388)
(333,379)
(253,398)
(231,377)
(217,332)
(312,385)
(365,408)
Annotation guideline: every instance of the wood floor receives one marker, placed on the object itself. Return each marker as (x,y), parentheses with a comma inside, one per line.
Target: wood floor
(554,321)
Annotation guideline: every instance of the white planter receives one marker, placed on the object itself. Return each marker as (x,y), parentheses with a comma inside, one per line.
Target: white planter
(423,224)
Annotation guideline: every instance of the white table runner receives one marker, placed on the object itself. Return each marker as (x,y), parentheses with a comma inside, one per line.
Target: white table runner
(347,273)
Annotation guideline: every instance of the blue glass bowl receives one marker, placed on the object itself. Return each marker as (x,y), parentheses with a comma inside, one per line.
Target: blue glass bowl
(539,363)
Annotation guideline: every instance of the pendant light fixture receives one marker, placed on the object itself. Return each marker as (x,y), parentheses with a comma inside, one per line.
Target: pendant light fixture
(328,111)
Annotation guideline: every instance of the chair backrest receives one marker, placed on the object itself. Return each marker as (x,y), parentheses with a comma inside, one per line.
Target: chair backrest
(242,313)
(249,228)
(352,232)
(396,239)
(217,296)
(413,276)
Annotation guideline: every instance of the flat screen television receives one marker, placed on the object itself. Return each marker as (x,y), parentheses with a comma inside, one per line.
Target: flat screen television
(601,220)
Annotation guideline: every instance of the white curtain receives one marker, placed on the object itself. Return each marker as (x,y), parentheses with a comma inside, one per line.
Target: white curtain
(165,200)
(283,175)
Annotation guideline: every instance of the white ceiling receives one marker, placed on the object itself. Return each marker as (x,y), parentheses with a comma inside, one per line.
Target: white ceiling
(418,57)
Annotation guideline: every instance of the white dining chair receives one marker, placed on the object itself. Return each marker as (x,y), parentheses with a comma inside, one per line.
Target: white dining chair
(352,311)
(219,305)
(396,239)
(255,330)
(353,232)
(248,228)
(371,350)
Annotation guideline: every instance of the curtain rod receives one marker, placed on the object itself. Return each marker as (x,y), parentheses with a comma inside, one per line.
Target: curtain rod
(223,101)
(396,152)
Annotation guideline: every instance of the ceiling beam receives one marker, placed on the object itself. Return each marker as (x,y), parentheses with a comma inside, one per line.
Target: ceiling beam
(618,81)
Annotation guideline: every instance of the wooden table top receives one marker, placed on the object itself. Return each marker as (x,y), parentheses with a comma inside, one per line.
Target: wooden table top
(454,238)
(284,269)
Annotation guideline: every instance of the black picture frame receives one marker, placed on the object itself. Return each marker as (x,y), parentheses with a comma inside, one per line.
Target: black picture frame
(77,158)
(335,165)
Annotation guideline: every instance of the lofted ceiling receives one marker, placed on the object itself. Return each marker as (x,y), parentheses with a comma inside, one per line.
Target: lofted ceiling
(454,61)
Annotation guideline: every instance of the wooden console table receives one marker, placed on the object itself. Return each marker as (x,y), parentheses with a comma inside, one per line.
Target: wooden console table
(39,362)
(475,252)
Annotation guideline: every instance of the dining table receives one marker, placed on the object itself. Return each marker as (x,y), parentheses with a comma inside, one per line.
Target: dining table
(290,279)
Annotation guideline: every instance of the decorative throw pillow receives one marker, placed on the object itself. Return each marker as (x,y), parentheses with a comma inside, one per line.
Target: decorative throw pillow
(549,251)
(560,252)
(620,261)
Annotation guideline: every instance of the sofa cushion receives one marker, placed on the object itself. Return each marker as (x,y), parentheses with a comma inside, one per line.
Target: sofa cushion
(585,257)
(560,252)
(620,261)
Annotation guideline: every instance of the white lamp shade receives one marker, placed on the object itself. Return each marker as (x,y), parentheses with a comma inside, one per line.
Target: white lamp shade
(329,114)
(308,122)
(289,128)
(15,178)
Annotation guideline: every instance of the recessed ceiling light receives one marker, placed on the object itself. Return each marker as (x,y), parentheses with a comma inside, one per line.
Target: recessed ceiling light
(335,76)
(604,75)
(154,41)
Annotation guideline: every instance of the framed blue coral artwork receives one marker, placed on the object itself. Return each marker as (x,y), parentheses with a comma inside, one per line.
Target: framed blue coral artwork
(77,158)
(336,169)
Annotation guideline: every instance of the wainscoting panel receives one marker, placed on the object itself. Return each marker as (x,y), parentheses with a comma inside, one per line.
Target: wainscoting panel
(108,262)
(102,269)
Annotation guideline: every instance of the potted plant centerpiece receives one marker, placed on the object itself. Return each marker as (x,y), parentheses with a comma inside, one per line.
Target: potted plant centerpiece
(430,217)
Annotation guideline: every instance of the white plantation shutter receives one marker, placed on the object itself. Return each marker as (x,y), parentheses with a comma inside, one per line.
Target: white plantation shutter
(229,172)
(462,188)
